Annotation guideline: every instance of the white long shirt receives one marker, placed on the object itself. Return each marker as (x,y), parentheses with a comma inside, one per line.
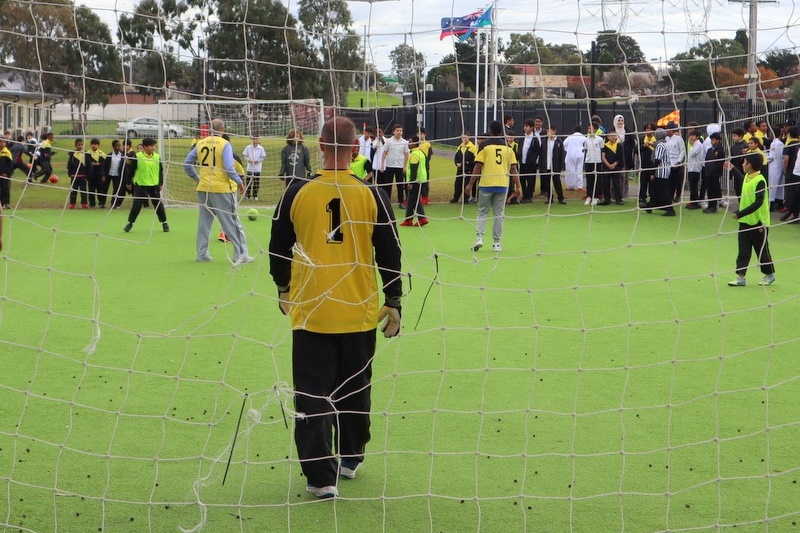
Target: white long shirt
(676,150)
(255,156)
(396,151)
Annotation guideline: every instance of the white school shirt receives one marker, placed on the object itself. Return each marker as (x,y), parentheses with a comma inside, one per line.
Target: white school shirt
(397,150)
(254,153)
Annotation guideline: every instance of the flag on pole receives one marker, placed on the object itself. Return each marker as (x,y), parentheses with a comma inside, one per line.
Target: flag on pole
(459,25)
(482,22)
(675,117)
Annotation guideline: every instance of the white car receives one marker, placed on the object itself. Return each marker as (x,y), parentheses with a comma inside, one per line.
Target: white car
(147,127)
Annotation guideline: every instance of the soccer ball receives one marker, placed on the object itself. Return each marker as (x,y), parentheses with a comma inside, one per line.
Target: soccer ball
(53,179)
(252,213)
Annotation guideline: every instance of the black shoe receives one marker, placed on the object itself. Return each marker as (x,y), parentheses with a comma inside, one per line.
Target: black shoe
(165,227)
(710,210)
(562,201)
(669,213)
(453,200)
(786,216)
(128,227)
(693,206)
(605,202)
(619,202)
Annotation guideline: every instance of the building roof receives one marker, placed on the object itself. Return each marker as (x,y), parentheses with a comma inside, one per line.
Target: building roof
(12,88)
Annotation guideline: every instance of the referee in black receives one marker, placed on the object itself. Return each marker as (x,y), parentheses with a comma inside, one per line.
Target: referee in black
(332,236)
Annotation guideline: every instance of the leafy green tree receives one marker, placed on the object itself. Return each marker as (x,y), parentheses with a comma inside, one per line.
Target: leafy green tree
(61,49)
(784,62)
(251,53)
(558,59)
(794,91)
(615,50)
(169,21)
(723,52)
(689,75)
(407,66)
(333,47)
(91,63)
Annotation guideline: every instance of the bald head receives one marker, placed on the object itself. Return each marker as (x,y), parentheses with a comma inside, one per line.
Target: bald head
(217,125)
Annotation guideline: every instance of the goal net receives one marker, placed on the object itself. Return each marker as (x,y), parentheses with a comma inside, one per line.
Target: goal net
(597,373)
(271,121)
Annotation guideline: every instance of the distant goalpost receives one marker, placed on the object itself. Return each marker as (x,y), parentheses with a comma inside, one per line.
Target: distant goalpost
(269,119)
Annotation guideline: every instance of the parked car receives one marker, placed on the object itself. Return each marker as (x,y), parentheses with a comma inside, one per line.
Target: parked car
(148,127)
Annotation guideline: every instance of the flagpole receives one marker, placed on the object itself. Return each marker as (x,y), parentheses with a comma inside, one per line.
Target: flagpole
(486,87)
(494,59)
(477,78)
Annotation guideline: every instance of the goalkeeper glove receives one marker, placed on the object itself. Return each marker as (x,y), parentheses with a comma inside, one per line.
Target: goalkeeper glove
(391,324)
(283,300)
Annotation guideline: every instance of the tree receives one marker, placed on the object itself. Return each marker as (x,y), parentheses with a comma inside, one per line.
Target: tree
(333,47)
(769,79)
(725,57)
(251,53)
(784,62)
(724,52)
(408,66)
(91,63)
(794,91)
(690,75)
(60,49)
(527,48)
(169,21)
(614,50)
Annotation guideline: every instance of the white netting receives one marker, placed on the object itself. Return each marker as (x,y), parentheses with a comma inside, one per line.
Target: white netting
(598,374)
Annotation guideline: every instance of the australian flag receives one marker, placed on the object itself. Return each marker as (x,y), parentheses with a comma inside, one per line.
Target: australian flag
(460,25)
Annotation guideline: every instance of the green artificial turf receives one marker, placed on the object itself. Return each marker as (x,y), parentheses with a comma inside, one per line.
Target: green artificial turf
(597,375)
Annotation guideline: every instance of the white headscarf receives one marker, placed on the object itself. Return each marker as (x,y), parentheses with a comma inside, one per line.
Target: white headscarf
(620,130)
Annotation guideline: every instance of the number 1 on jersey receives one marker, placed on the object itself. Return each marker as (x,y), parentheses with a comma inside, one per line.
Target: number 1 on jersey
(334,207)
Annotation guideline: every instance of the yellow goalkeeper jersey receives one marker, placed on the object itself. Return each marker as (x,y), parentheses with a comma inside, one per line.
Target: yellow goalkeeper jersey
(328,235)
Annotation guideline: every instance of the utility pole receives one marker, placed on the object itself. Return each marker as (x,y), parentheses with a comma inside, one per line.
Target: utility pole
(752,39)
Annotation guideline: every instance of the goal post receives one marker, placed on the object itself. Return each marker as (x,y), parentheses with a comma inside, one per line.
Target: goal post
(183,122)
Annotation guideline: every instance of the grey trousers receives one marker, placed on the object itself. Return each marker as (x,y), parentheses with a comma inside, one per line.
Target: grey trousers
(497,201)
(222,206)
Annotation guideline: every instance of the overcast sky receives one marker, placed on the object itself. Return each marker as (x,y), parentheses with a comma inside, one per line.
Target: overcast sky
(662,28)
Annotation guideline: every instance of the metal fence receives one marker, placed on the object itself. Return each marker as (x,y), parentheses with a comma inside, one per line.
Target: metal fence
(444,122)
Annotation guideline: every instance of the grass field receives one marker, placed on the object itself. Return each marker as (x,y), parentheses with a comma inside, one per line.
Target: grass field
(597,375)
(371,100)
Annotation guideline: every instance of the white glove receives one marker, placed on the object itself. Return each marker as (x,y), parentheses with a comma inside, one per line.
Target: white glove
(390,326)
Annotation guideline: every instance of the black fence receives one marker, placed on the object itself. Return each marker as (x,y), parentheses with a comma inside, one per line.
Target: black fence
(445,121)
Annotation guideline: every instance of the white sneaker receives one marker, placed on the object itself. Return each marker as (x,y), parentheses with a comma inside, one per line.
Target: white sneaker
(243,260)
(323,492)
(204,259)
(594,201)
(478,245)
(348,468)
(769,279)
(704,204)
(723,203)
(588,200)
(496,247)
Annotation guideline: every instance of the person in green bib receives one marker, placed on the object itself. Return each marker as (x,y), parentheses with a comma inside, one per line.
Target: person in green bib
(753,217)
(416,176)
(148,180)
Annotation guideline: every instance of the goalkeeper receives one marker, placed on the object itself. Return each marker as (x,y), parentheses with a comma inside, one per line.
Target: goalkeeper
(328,236)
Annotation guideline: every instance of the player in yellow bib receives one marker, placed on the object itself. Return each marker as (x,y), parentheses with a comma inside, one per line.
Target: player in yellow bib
(217,187)
(493,165)
(753,216)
